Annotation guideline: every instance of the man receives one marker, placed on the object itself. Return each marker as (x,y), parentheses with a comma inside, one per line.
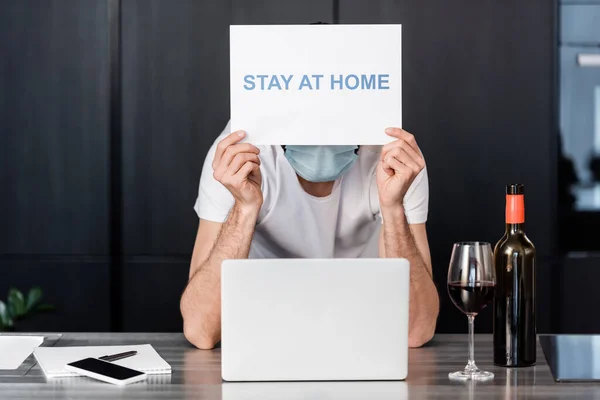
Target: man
(309,202)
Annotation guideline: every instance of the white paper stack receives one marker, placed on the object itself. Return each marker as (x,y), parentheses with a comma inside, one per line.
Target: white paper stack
(52,360)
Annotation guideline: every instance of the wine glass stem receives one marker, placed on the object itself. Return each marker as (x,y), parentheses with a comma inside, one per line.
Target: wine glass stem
(471,363)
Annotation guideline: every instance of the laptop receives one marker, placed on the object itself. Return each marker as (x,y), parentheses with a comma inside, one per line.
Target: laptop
(572,358)
(314,319)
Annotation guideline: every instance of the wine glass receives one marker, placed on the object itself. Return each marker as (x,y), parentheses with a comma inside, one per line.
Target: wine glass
(471,282)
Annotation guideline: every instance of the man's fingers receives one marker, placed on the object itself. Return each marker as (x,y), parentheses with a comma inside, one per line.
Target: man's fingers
(404,157)
(415,155)
(248,168)
(231,154)
(396,166)
(236,149)
(225,143)
(239,160)
(404,135)
(386,168)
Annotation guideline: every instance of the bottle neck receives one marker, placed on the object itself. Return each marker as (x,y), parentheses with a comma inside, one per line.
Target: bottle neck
(515,229)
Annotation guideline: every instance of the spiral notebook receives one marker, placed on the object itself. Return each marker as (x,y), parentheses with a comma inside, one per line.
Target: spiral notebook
(52,360)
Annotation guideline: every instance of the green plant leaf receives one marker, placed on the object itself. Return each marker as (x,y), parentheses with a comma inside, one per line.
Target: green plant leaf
(16,303)
(5,318)
(33,298)
(10,309)
(3,314)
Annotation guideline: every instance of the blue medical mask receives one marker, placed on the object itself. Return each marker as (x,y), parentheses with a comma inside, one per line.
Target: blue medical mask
(321,163)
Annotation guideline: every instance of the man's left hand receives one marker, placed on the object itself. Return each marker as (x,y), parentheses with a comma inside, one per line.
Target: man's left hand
(400,163)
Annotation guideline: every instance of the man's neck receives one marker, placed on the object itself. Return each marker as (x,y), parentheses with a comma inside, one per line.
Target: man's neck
(317,189)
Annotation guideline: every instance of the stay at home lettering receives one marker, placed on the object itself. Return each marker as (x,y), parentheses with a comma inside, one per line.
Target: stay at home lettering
(317,82)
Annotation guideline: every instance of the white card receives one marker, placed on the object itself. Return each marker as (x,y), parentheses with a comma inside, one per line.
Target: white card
(316,84)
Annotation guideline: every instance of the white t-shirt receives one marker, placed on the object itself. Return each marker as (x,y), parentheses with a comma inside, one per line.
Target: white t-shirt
(294,224)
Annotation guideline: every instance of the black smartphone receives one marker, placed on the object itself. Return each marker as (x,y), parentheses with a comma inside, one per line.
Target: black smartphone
(106,371)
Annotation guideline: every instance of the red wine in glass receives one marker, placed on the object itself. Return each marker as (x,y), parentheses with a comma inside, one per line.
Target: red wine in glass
(471,281)
(471,297)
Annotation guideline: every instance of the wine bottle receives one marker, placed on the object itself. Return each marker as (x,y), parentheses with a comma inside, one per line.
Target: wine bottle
(514,296)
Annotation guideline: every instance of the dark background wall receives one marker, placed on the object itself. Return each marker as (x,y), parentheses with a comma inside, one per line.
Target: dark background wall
(478,93)
(54,158)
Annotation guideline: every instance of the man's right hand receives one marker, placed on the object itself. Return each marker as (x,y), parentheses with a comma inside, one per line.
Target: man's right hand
(236,166)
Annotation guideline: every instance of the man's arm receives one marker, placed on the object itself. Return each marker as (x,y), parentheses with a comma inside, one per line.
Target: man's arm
(201,300)
(400,240)
(400,164)
(236,167)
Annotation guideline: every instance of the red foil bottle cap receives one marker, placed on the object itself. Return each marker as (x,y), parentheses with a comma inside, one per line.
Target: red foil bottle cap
(515,204)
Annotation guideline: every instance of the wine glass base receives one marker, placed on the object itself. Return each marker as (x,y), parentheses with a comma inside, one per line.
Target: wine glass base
(476,375)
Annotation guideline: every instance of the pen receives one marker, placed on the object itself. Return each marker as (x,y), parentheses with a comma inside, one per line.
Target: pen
(118,356)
